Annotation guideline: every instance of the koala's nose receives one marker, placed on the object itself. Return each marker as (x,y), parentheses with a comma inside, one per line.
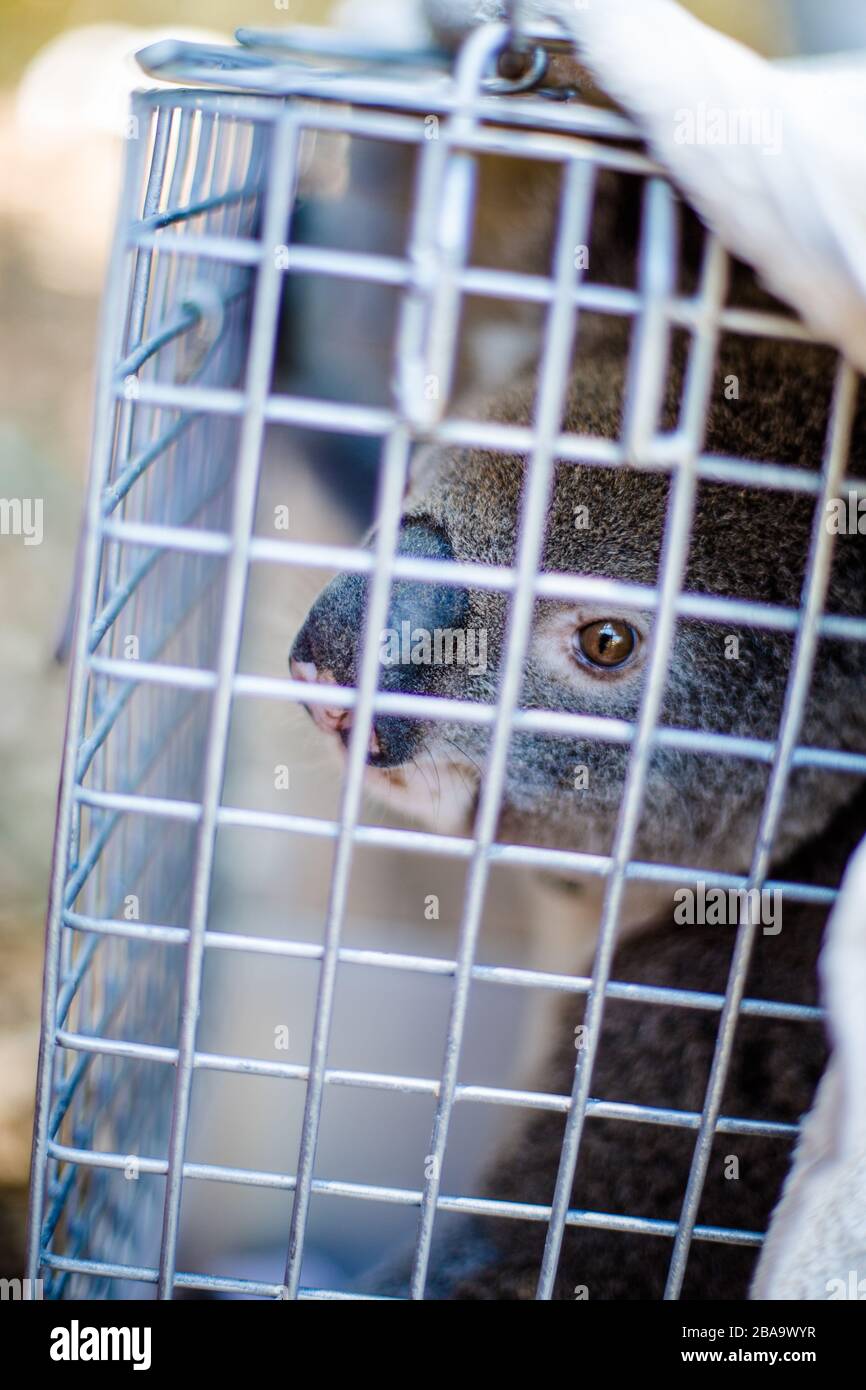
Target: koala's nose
(325,650)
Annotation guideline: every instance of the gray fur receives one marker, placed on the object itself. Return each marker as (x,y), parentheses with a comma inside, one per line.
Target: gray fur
(656,1055)
(700,812)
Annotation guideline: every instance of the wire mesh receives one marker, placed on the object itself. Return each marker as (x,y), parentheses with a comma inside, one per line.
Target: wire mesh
(184,398)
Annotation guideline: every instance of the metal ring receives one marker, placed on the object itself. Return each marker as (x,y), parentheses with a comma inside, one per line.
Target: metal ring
(508,86)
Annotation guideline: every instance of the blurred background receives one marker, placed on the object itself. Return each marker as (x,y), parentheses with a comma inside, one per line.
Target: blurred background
(65,74)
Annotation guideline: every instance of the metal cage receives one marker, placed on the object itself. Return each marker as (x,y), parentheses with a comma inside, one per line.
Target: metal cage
(185,394)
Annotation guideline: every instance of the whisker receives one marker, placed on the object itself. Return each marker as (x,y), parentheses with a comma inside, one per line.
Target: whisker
(461,773)
(425,748)
(464,752)
(417,765)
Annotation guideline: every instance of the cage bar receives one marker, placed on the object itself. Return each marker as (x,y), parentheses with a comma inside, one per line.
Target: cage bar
(185,396)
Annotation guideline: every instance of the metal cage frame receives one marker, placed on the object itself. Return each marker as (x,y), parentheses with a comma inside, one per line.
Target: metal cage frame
(208,192)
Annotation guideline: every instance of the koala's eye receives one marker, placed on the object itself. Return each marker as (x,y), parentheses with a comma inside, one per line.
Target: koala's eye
(606,644)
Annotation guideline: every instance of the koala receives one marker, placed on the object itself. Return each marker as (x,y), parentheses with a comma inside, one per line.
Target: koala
(590,658)
(699,811)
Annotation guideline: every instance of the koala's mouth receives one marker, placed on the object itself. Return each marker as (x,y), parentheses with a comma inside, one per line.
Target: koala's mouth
(392,740)
(331,719)
(415,769)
